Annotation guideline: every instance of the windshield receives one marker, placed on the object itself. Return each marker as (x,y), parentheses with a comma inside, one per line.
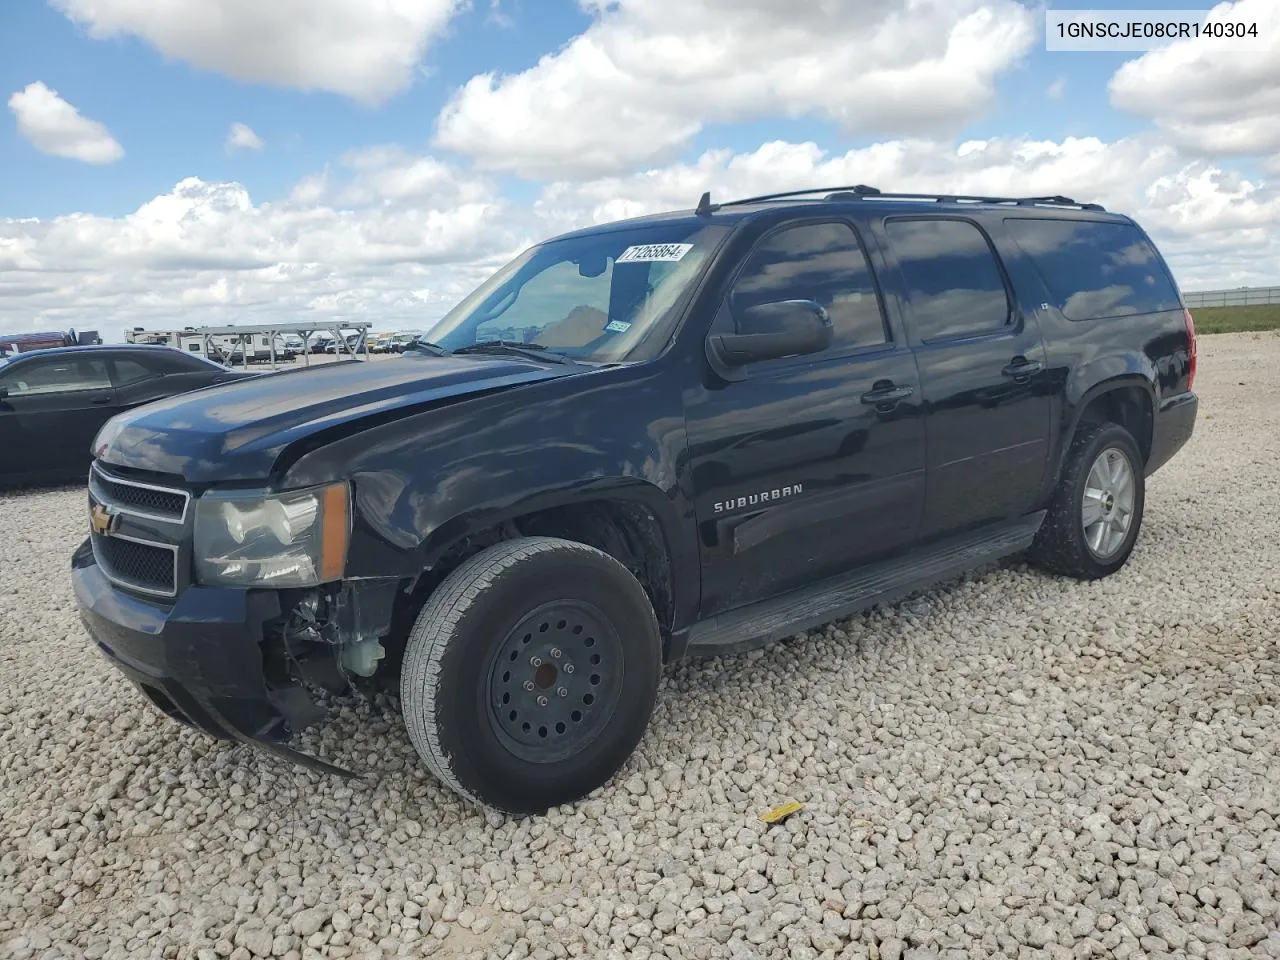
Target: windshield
(601,297)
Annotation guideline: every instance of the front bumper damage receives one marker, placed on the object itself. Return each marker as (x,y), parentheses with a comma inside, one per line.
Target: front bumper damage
(203,660)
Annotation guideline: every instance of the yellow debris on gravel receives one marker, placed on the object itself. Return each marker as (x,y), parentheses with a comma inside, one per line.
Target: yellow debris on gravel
(778,814)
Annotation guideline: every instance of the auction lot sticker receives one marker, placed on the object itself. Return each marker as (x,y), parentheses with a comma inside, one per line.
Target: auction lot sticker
(654,253)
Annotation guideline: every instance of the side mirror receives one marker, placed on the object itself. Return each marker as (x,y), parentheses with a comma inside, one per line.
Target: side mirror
(769,331)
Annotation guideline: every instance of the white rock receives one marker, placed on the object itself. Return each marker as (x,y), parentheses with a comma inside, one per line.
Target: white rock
(1101,747)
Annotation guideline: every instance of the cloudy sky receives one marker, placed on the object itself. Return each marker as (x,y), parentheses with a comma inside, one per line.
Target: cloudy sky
(201,161)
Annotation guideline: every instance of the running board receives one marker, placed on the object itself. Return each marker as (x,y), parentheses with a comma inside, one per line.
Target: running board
(849,593)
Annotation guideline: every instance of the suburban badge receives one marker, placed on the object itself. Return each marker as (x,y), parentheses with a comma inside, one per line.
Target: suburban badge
(764,496)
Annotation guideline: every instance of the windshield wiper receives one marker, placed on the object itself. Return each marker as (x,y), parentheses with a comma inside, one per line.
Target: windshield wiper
(426,346)
(534,351)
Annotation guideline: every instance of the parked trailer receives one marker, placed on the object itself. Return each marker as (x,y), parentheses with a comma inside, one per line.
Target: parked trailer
(261,342)
(252,345)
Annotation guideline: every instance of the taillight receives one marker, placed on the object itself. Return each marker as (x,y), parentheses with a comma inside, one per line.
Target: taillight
(1191,347)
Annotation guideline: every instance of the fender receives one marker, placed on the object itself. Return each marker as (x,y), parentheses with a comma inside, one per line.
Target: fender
(1102,373)
(1119,372)
(423,484)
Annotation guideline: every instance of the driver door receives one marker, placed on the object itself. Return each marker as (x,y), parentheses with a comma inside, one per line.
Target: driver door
(53,409)
(807,466)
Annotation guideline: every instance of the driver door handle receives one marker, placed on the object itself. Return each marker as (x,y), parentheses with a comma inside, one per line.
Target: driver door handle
(886,394)
(1021,368)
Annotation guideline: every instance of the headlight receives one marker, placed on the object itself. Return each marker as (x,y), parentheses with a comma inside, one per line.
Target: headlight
(294,539)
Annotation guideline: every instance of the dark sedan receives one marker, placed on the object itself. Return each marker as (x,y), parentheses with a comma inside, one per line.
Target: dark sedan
(52,402)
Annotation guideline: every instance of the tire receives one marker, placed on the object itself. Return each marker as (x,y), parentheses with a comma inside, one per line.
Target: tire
(568,636)
(1064,544)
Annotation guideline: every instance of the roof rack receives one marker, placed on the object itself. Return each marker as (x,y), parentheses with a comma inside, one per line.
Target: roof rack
(860,190)
(864,192)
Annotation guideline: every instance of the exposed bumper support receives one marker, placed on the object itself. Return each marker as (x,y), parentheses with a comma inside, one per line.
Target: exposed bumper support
(199,661)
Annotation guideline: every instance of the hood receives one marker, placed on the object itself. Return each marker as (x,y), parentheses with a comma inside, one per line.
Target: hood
(235,431)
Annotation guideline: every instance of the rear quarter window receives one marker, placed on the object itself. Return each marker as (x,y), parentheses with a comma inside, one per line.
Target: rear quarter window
(1095,269)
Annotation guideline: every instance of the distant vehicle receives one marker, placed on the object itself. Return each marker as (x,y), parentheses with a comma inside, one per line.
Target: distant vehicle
(400,341)
(350,344)
(186,340)
(221,348)
(53,401)
(23,342)
(251,347)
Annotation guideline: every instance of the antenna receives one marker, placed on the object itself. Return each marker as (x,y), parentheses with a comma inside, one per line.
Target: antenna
(705,207)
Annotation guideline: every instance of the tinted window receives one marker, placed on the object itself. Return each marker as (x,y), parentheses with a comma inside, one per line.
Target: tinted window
(953,282)
(822,262)
(1095,269)
(62,375)
(177,362)
(130,371)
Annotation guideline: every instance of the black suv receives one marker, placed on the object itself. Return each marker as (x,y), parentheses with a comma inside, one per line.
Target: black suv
(681,434)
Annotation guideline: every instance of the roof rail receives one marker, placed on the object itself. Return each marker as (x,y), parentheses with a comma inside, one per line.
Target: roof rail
(860,189)
(863,192)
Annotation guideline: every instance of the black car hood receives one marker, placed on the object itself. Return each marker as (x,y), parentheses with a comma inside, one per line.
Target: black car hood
(236,431)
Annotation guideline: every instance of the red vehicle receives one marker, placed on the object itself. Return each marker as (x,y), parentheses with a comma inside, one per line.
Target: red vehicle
(22,342)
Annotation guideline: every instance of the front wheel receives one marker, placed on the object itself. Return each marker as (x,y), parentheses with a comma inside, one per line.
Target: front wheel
(1093,521)
(531,673)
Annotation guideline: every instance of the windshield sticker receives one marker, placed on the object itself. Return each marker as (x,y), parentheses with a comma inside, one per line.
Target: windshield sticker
(618,326)
(655,252)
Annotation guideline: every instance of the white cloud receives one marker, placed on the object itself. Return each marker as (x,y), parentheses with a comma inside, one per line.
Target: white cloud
(648,75)
(364,49)
(398,238)
(1210,100)
(242,137)
(54,126)
(1057,89)
(499,17)
(1215,228)
(1086,168)
(366,240)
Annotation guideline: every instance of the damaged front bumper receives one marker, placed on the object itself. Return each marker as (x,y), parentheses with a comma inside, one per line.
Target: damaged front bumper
(201,660)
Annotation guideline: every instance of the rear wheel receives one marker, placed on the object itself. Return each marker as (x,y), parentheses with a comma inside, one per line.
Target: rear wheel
(530,673)
(1096,512)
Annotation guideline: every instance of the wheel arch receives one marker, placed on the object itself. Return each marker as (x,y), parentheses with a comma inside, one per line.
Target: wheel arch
(1127,400)
(1126,397)
(631,520)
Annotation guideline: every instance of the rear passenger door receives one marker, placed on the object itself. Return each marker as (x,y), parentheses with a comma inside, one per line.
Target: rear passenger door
(982,369)
(137,380)
(808,465)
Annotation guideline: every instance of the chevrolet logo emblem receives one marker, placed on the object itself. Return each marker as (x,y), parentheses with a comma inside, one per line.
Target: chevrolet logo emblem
(100,520)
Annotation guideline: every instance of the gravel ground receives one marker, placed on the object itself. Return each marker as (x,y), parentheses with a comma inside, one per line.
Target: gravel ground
(1014,766)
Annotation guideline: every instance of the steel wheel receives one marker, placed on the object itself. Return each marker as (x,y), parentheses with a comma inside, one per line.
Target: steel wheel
(553,686)
(1107,507)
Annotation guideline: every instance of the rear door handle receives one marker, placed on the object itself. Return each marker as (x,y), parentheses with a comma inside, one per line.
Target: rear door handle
(100,400)
(889,394)
(1021,368)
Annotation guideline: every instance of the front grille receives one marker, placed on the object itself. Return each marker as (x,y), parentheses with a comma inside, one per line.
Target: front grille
(140,532)
(133,496)
(148,567)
